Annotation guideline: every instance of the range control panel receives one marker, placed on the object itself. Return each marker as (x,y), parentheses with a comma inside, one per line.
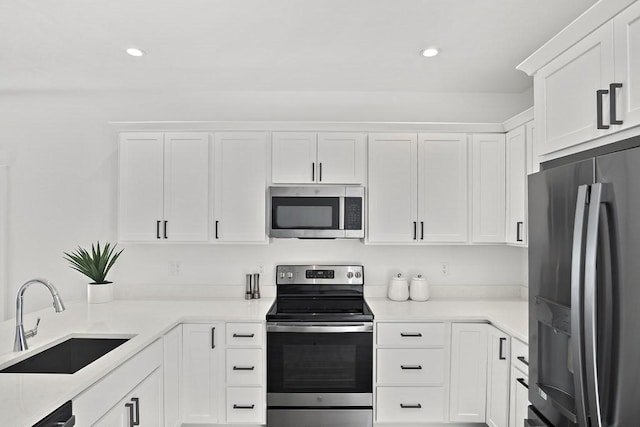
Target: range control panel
(319,274)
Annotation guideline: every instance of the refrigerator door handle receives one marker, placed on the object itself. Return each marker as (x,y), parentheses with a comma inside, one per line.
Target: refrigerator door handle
(598,196)
(577,290)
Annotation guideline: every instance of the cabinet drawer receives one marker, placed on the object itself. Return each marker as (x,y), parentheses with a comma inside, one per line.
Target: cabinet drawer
(411,334)
(244,366)
(244,334)
(245,405)
(410,404)
(520,355)
(424,366)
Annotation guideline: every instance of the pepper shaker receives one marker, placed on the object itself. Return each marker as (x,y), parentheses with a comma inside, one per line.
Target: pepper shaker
(255,293)
(248,290)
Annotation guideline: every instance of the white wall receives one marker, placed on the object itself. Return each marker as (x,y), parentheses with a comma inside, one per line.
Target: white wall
(62,186)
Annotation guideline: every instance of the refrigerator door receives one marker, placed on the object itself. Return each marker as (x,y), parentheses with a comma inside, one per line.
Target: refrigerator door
(553,196)
(614,379)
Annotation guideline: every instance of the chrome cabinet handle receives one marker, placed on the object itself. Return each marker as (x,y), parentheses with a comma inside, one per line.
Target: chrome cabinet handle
(243,368)
(415,230)
(415,367)
(157,229)
(136,403)
(217,222)
(523,382)
(313,171)
(130,407)
(599,94)
(410,334)
(244,335)
(243,406)
(421,230)
(612,103)
(213,337)
(501,356)
(413,405)
(320,172)
(165,229)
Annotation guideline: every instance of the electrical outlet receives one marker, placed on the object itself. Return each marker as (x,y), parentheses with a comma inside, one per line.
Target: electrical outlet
(444,268)
(175,268)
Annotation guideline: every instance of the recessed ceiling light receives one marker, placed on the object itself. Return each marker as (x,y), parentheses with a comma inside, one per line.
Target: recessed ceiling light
(430,52)
(135,51)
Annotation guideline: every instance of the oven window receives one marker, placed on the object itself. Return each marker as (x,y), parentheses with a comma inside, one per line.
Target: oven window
(305,213)
(319,362)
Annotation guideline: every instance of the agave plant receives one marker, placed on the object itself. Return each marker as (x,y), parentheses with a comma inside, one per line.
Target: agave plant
(94,265)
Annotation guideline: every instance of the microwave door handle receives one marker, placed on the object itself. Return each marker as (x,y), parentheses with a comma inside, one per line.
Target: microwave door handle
(577,331)
(341,214)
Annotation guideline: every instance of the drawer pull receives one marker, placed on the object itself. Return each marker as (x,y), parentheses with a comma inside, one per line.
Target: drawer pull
(410,366)
(244,335)
(523,382)
(523,360)
(410,334)
(243,368)
(243,406)
(411,406)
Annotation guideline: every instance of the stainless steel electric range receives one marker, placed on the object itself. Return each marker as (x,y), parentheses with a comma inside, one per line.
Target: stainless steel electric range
(319,348)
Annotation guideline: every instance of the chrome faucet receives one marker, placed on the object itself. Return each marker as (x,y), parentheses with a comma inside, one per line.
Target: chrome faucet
(20,342)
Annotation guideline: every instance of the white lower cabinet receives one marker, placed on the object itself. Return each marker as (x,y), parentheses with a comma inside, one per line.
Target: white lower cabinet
(468,372)
(498,378)
(411,372)
(141,407)
(223,378)
(131,391)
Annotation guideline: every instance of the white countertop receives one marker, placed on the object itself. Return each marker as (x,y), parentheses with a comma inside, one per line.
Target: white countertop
(26,398)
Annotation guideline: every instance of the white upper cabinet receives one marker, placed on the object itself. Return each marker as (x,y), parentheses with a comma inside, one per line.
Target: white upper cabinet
(392,189)
(240,180)
(322,158)
(627,65)
(516,186)
(442,187)
(293,158)
(164,187)
(567,107)
(488,164)
(418,188)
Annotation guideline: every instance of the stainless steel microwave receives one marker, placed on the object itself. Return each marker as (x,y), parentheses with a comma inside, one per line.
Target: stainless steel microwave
(316,212)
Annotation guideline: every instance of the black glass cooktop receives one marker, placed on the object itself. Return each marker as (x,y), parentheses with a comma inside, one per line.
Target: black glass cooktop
(320,309)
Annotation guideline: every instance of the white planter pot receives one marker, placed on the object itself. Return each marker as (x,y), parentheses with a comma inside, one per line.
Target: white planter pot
(98,294)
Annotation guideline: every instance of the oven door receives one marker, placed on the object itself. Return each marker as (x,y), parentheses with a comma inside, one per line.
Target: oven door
(311,365)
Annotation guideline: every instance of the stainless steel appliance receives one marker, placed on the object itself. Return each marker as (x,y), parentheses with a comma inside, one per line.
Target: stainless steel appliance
(584,284)
(61,417)
(319,348)
(326,212)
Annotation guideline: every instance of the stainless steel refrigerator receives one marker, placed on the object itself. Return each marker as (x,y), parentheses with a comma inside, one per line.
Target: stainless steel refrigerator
(584,291)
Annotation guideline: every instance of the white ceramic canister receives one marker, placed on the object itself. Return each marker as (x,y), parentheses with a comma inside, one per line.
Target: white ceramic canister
(398,288)
(419,289)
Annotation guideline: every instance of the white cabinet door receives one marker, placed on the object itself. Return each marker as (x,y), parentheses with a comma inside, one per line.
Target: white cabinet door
(186,187)
(392,191)
(240,175)
(516,186)
(627,66)
(142,407)
(172,367)
(442,188)
(202,384)
(498,378)
(519,398)
(341,158)
(468,372)
(141,186)
(488,151)
(565,92)
(293,158)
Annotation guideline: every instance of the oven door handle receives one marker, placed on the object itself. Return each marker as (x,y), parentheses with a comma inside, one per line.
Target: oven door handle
(319,327)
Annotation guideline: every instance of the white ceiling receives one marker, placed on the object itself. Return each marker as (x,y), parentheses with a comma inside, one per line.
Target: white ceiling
(283,45)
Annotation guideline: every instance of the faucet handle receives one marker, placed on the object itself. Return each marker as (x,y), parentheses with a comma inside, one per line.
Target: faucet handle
(33,332)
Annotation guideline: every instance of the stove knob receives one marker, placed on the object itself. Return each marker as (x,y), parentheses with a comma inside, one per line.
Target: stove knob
(358,275)
(282,274)
(290,275)
(349,275)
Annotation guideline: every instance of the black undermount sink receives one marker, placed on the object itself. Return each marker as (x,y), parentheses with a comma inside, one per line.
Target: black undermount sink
(67,357)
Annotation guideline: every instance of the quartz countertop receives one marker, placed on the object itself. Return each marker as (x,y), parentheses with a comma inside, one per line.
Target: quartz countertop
(26,398)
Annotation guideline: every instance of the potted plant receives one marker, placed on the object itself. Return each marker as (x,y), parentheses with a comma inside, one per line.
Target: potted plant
(95,265)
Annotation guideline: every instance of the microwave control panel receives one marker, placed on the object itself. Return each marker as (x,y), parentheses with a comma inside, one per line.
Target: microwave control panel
(353,213)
